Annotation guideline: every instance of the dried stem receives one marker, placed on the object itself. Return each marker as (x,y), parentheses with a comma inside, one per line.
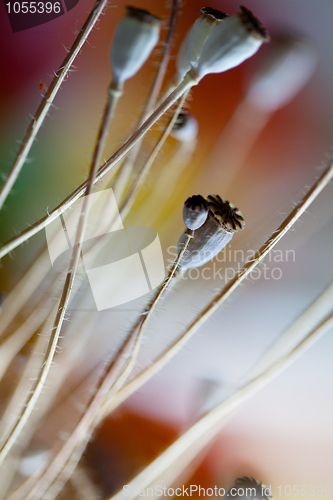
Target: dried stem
(203,431)
(64,300)
(221,297)
(318,309)
(187,83)
(117,372)
(127,167)
(12,345)
(85,488)
(130,198)
(48,99)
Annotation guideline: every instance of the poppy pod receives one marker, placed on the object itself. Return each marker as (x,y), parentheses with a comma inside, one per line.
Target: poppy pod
(286,70)
(223,220)
(233,41)
(136,36)
(201,30)
(195,39)
(186,127)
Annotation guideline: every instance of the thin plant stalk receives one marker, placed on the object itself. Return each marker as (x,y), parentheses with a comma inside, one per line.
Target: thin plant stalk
(127,168)
(114,377)
(23,291)
(295,332)
(48,99)
(117,372)
(206,428)
(12,345)
(189,80)
(164,186)
(130,198)
(222,296)
(64,300)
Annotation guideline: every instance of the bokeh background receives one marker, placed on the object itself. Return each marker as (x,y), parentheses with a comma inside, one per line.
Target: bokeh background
(283,436)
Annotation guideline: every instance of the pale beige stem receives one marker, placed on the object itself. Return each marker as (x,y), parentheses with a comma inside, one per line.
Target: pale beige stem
(24,385)
(48,99)
(64,300)
(130,198)
(189,80)
(221,297)
(203,431)
(66,460)
(11,346)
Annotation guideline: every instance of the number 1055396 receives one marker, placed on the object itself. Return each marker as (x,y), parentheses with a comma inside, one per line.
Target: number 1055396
(304,490)
(33,7)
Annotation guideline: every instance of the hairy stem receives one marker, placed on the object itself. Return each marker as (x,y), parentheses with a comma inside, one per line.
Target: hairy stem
(186,84)
(222,296)
(48,99)
(127,167)
(115,375)
(64,300)
(205,429)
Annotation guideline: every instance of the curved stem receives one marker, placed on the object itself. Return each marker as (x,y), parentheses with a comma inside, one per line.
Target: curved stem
(205,429)
(48,99)
(64,300)
(127,167)
(222,296)
(186,84)
(115,375)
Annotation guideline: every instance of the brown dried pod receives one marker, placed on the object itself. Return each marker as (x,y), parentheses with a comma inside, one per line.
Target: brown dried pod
(223,220)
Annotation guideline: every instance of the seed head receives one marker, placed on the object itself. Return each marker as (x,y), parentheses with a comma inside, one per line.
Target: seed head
(223,220)
(185,128)
(287,69)
(135,37)
(233,41)
(248,488)
(195,212)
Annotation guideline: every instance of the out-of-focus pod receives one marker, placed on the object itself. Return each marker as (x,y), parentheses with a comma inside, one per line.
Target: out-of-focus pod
(284,72)
(186,127)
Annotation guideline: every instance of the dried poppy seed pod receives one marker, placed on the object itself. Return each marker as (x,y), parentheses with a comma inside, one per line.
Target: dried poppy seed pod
(186,127)
(248,488)
(194,40)
(195,212)
(201,30)
(223,220)
(135,37)
(233,41)
(286,70)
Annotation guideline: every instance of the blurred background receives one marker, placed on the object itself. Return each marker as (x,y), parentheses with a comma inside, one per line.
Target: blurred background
(282,436)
